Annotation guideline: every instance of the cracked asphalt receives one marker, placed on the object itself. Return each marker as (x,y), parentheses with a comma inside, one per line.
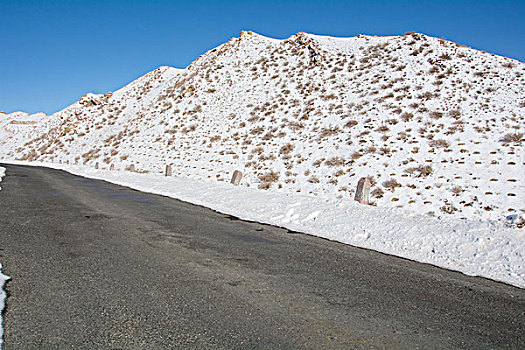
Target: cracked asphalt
(100,266)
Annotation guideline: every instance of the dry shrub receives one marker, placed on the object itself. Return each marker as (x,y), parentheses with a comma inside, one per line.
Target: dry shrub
(268,179)
(513,138)
(391,184)
(440,143)
(456,190)
(286,149)
(335,161)
(436,114)
(378,193)
(90,155)
(422,170)
(455,113)
(351,123)
(257,150)
(448,208)
(318,162)
(327,132)
(384,150)
(313,179)
(382,128)
(407,116)
(30,156)
(356,155)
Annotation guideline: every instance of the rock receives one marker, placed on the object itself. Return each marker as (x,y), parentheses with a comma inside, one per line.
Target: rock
(363,191)
(236,178)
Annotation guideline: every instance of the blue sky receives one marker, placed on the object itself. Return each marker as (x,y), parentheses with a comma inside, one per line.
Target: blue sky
(53,52)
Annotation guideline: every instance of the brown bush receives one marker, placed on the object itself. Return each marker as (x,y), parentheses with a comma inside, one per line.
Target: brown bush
(313,179)
(382,128)
(351,123)
(436,114)
(448,208)
(326,132)
(440,143)
(513,138)
(407,116)
(456,190)
(422,170)
(377,193)
(356,155)
(268,179)
(455,113)
(286,149)
(391,184)
(335,161)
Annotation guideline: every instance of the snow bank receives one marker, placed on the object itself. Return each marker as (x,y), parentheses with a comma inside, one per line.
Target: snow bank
(487,249)
(3,278)
(2,174)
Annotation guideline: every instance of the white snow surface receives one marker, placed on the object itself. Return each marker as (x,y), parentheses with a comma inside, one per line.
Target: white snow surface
(3,278)
(473,247)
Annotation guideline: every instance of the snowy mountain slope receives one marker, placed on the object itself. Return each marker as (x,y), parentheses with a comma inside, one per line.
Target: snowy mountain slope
(437,126)
(19,127)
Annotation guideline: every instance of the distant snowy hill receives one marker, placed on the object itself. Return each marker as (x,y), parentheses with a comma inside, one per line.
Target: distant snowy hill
(438,127)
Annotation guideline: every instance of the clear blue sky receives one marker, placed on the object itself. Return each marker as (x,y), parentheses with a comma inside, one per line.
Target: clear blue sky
(53,52)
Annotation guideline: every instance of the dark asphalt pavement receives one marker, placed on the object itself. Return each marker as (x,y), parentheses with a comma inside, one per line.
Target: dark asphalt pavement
(100,266)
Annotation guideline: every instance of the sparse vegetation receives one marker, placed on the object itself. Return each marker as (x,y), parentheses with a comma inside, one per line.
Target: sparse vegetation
(513,138)
(391,184)
(268,179)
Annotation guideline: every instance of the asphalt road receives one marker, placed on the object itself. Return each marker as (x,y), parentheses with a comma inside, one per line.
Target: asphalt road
(99,266)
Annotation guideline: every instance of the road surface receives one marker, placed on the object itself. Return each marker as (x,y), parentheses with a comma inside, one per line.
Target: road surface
(100,266)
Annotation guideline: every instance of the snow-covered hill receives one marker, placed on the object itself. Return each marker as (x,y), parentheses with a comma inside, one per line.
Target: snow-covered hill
(438,127)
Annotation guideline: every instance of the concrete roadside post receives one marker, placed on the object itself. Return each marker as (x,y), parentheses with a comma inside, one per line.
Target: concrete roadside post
(236,178)
(168,171)
(363,191)
(112,167)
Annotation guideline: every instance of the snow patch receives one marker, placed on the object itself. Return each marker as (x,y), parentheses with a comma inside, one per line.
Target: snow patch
(3,279)
(2,174)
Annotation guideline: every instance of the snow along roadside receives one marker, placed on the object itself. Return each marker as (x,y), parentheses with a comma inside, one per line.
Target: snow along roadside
(475,248)
(3,279)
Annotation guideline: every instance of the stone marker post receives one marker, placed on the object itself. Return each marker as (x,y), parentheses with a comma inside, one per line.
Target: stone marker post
(168,170)
(363,191)
(112,167)
(96,165)
(236,178)
(132,168)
